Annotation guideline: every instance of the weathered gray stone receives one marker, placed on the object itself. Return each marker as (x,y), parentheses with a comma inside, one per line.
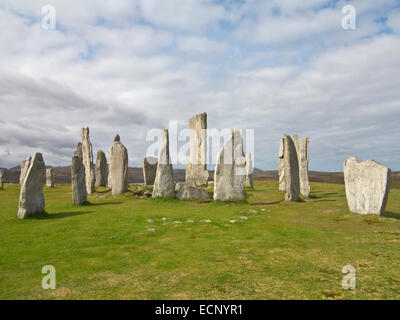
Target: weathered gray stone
(1,179)
(367,186)
(149,170)
(87,158)
(79,193)
(78,152)
(118,167)
(101,169)
(31,199)
(49,178)
(292,181)
(196,164)
(190,192)
(249,170)
(230,173)
(24,169)
(281,165)
(302,149)
(164,185)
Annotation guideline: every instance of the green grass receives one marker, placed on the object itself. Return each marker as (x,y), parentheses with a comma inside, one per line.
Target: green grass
(109,250)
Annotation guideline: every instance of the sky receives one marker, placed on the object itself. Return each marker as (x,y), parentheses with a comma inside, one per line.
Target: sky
(130,67)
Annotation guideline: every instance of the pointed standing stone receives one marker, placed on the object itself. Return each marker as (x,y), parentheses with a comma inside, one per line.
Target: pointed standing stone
(101,169)
(149,170)
(24,169)
(49,178)
(79,194)
(78,151)
(367,186)
(31,199)
(1,179)
(302,147)
(87,156)
(249,170)
(196,167)
(118,169)
(230,173)
(281,166)
(164,185)
(292,182)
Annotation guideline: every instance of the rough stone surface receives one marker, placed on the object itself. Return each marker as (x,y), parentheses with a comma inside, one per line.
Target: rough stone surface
(292,181)
(49,178)
(24,169)
(302,148)
(101,169)
(78,151)
(149,170)
(118,168)
(87,158)
(189,192)
(367,186)
(1,179)
(164,185)
(281,165)
(230,173)
(249,170)
(31,199)
(79,194)
(196,164)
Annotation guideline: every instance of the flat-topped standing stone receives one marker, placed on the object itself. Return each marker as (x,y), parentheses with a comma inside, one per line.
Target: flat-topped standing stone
(196,166)
(49,178)
(164,185)
(367,186)
(1,179)
(118,169)
(249,170)
(292,181)
(87,158)
(101,169)
(31,199)
(281,165)
(24,169)
(79,194)
(302,148)
(189,192)
(230,173)
(149,170)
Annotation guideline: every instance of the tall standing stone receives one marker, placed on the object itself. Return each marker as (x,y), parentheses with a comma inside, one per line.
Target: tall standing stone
(31,199)
(281,165)
(49,178)
(367,186)
(101,169)
(24,169)
(78,151)
(118,169)
(249,170)
(149,170)
(230,172)
(1,179)
(79,193)
(292,181)
(302,148)
(87,156)
(164,185)
(196,166)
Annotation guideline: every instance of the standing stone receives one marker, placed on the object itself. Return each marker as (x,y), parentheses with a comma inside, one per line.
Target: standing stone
(31,199)
(24,169)
(79,193)
(249,170)
(1,179)
(78,151)
(367,186)
(164,185)
(230,173)
(87,156)
(196,167)
(281,166)
(292,181)
(149,170)
(101,169)
(189,192)
(49,178)
(302,148)
(118,169)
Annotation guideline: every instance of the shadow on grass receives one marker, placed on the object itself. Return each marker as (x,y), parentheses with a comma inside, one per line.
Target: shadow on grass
(94,204)
(391,215)
(60,215)
(266,203)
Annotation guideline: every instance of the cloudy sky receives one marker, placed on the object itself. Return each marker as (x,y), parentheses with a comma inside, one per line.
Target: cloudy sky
(131,66)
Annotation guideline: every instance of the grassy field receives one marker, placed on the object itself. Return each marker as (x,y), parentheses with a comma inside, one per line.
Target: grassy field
(279,250)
